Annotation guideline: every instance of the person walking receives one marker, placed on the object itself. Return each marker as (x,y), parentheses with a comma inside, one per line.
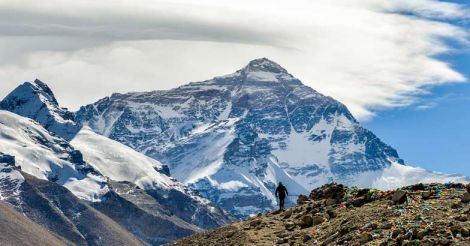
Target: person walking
(281,193)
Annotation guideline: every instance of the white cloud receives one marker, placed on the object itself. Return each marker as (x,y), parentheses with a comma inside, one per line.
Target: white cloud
(368,54)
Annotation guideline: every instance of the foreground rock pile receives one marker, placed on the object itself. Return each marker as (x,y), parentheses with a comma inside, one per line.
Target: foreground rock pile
(422,214)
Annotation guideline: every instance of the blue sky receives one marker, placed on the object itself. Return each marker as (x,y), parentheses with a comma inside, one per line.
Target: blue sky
(435,132)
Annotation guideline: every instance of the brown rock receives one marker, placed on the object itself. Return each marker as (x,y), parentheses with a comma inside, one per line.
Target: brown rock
(426,195)
(255,223)
(455,229)
(330,201)
(399,197)
(289,226)
(461,218)
(418,187)
(421,234)
(465,232)
(287,214)
(365,237)
(444,242)
(306,238)
(305,221)
(465,197)
(281,241)
(317,220)
(395,233)
(358,202)
(331,213)
(302,199)
(386,226)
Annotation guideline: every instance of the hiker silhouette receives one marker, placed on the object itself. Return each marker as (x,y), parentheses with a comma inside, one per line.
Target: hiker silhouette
(281,193)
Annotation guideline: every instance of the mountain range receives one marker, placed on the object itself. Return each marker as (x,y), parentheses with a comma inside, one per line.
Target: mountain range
(160,165)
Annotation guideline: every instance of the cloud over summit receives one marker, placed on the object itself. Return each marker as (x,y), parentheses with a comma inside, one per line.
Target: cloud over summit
(368,54)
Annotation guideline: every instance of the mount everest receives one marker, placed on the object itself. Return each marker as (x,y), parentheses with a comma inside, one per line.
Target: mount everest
(189,158)
(234,137)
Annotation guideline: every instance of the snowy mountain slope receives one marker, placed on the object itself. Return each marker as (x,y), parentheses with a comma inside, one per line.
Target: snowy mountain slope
(36,101)
(234,137)
(48,157)
(32,151)
(121,163)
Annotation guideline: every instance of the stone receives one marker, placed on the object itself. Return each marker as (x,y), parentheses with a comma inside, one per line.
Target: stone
(406,243)
(444,242)
(455,229)
(317,220)
(418,187)
(465,197)
(365,237)
(305,221)
(281,240)
(358,202)
(255,223)
(302,199)
(461,218)
(395,233)
(331,213)
(306,238)
(399,197)
(386,226)
(421,234)
(465,232)
(289,226)
(426,195)
(456,205)
(330,202)
(287,214)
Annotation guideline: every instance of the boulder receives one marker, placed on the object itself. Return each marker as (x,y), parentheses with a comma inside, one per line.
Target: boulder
(466,197)
(305,221)
(399,197)
(317,220)
(302,199)
(365,237)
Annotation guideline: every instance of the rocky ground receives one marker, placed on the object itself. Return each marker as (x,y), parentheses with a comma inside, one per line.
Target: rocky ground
(422,214)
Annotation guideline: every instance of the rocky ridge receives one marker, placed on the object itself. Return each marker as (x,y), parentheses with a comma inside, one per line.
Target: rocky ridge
(422,214)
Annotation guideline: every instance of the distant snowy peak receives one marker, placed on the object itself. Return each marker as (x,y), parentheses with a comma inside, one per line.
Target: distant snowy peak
(36,100)
(262,70)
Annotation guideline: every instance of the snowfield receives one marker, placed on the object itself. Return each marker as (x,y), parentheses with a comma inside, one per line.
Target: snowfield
(47,157)
(121,163)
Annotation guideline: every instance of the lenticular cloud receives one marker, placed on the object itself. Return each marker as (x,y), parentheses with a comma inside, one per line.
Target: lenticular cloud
(367,54)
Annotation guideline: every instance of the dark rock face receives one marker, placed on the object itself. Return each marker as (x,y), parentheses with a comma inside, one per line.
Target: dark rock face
(266,124)
(7,159)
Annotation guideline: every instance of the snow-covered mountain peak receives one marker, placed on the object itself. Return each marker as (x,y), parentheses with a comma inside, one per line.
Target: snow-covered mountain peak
(36,100)
(264,65)
(260,70)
